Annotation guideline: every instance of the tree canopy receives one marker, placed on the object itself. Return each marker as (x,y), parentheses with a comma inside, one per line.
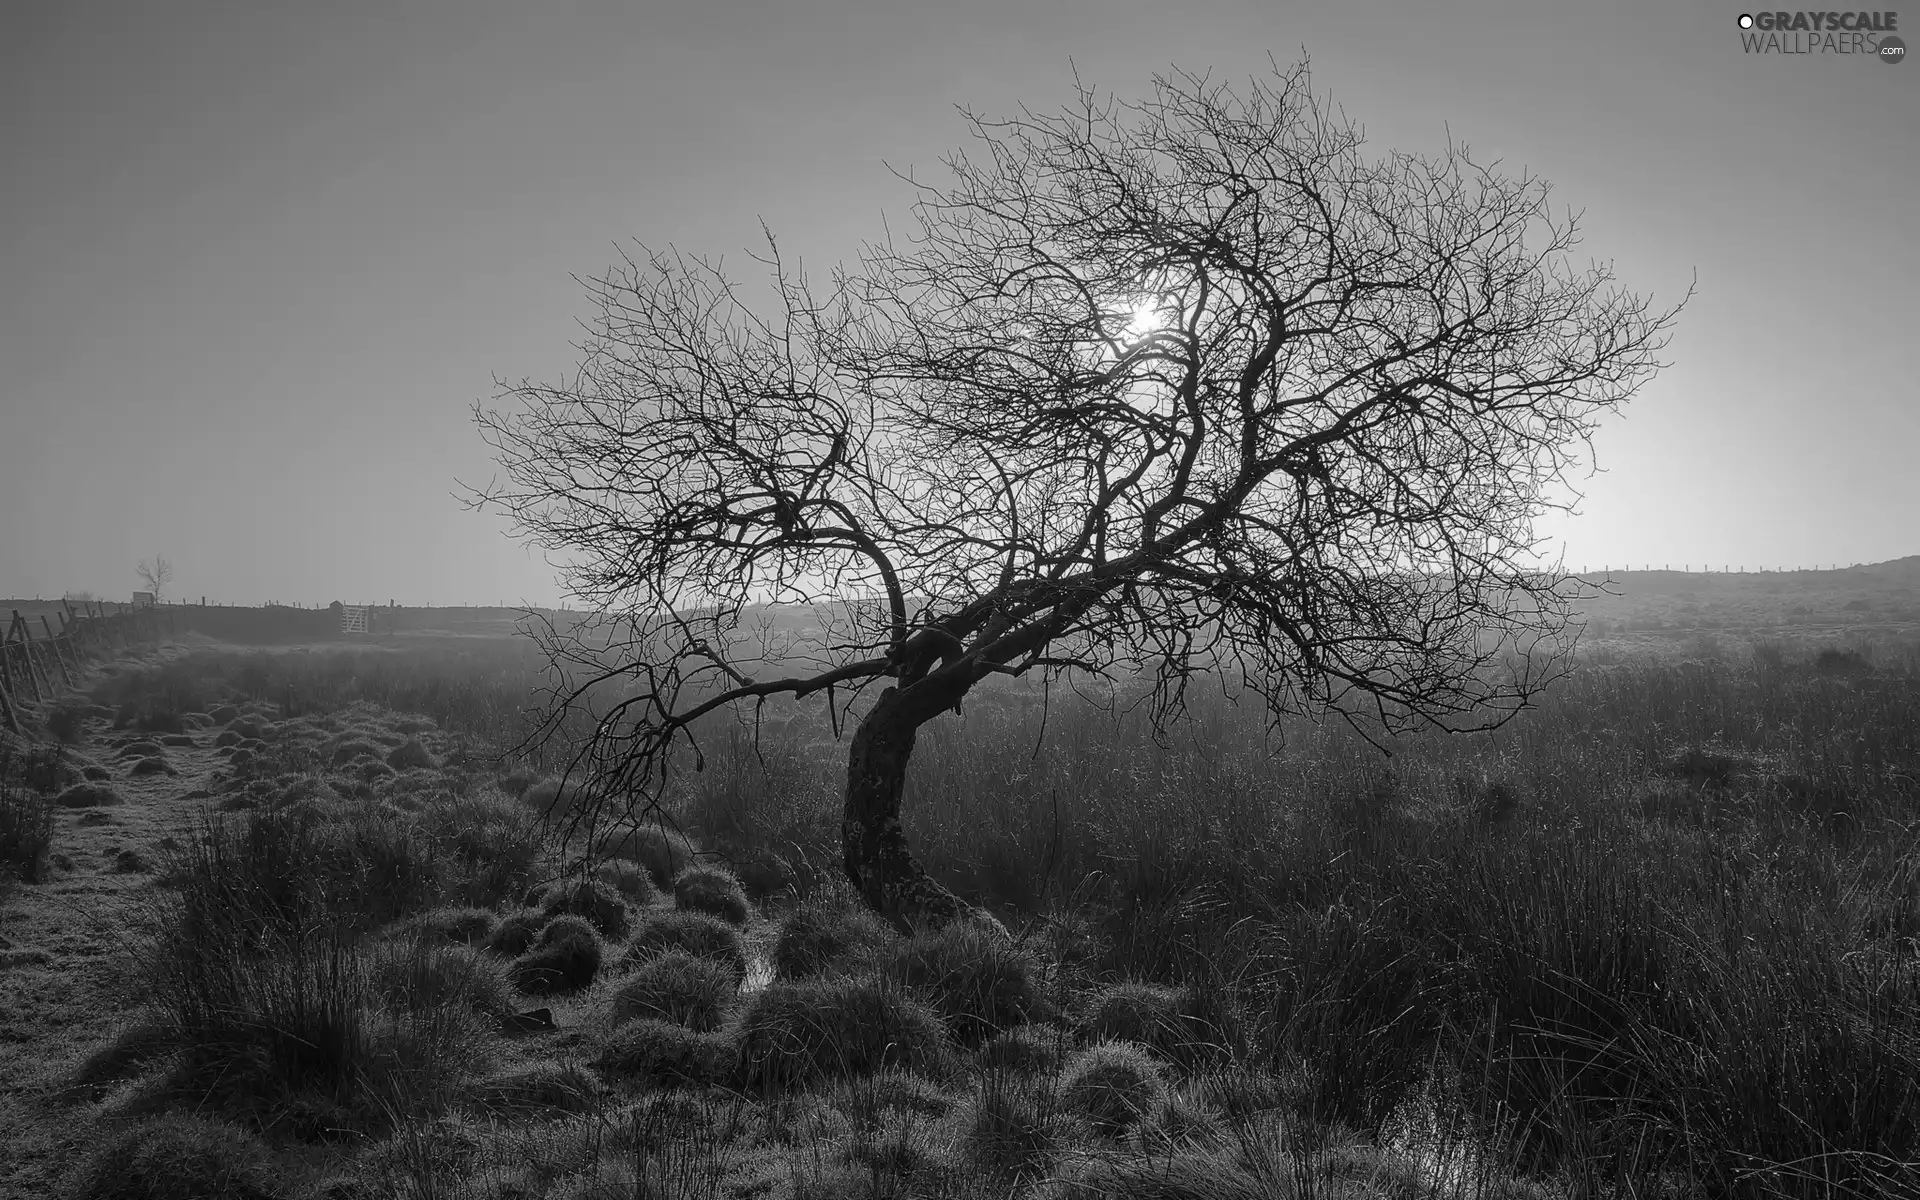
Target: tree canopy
(1186,385)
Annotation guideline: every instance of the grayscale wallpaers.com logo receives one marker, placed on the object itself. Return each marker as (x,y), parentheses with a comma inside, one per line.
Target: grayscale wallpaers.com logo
(1850,33)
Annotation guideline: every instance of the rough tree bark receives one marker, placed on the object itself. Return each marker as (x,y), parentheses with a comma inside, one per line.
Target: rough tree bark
(874,843)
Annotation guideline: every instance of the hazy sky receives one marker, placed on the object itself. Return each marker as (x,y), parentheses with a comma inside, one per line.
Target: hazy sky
(260,258)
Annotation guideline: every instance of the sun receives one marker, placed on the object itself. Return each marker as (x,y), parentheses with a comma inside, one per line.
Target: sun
(1146,319)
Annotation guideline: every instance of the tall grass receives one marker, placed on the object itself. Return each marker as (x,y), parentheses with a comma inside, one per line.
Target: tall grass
(1665,926)
(27,776)
(258,976)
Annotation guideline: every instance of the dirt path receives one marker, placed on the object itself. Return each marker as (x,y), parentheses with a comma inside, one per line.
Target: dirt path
(68,978)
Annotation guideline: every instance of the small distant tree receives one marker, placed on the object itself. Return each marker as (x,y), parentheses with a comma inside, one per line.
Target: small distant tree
(1186,386)
(156,573)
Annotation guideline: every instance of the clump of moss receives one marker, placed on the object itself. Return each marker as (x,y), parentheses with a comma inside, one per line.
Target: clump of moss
(714,890)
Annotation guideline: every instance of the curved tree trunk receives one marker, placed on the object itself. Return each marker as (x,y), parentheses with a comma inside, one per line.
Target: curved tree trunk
(873,842)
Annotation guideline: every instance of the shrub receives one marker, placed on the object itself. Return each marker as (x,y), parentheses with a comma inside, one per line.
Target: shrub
(837,1028)
(595,901)
(628,878)
(566,963)
(662,851)
(714,890)
(180,1157)
(515,933)
(666,1053)
(696,934)
(817,935)
(979,982)
(695,992)
(1113,1084)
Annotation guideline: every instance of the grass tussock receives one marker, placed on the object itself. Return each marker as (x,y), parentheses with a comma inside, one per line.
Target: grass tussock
(666,1053)
(820,935)
(696,934)
(598,903)
(1114,1085)
(565,959)
(792,1033)
(26,819)
(980,983)
(695,992)
(663,852)
(177,1156)
(714,890)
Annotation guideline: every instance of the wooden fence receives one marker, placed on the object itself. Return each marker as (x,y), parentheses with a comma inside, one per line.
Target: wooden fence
(35,668)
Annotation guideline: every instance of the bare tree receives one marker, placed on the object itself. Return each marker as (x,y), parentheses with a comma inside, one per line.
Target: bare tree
(1190,385)
(156,573)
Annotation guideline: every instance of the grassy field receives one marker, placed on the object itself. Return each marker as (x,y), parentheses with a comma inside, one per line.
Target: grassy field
(284,924)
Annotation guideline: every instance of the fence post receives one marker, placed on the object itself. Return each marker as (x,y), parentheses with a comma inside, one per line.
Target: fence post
(33,684)
(55,644)
(26,644)
(6,699)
